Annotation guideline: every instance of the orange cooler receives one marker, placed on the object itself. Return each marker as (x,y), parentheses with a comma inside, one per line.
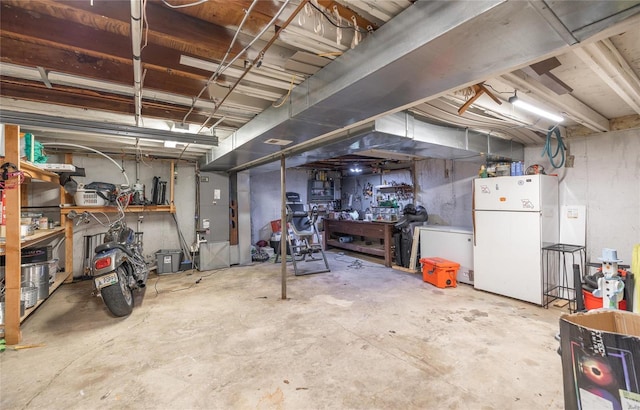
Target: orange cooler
(439,272)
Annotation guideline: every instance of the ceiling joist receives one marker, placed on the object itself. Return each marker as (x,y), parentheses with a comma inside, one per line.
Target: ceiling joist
(570,105)
(604,59)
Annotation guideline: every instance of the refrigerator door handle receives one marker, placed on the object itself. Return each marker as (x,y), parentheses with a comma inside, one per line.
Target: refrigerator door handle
(473,211)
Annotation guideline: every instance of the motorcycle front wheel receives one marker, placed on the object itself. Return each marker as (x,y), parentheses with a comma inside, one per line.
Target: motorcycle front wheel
(118,297)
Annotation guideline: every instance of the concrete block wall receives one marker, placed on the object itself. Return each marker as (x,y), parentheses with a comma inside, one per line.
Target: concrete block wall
(606,179)
(445,189)
(266,198)
(160,231)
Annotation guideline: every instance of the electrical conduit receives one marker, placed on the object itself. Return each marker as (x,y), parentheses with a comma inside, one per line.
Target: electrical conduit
(136,44)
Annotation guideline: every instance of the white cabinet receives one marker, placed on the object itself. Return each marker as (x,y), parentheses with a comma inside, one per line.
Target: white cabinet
(452,243)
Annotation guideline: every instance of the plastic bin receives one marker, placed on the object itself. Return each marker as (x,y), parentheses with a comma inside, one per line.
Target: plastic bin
(168,260)
(593,302)
(276,247)
(439,272)
(88,197)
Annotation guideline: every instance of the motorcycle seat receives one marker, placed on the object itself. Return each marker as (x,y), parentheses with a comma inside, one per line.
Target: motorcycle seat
(113,245)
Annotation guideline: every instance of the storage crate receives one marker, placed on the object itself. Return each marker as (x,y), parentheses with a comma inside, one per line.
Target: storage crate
(439,272)
(168,260)
(88,197)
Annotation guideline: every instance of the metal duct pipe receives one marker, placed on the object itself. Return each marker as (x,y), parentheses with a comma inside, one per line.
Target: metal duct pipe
(376,78)
(136,44)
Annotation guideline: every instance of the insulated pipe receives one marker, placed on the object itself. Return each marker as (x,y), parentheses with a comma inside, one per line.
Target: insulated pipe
(136,42)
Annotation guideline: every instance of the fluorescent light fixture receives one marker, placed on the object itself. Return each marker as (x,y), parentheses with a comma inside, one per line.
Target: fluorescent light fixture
(170,144)
(355,169)
(535,110)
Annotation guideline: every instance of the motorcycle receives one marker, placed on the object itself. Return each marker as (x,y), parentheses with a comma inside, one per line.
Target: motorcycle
(118,267)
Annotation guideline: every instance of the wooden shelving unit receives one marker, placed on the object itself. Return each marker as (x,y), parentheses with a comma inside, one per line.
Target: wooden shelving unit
(13,242)
(11,247)
(39,236)
(68,224)
(130,208)
(320,190)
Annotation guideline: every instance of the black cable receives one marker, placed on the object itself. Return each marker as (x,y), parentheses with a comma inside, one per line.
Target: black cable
(354,263)
(355,28)
(183,242)
(499,92)
(155,285)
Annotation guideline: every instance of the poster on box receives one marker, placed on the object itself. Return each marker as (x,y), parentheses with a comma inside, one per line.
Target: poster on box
(601,360)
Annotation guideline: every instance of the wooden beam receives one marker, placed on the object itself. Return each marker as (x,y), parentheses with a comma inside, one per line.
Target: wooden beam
(604,59)
(93,100)
(12,333)
(98,66)
(166,27)
(574,108)
(617,124)
(40,40)
(444,110)
(225,13)
(413,259)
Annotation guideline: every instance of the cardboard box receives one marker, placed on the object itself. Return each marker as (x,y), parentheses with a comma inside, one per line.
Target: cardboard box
(601,359)
(439,272)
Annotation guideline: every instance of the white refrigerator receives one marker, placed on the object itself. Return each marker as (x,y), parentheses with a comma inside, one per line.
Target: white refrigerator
(514,217)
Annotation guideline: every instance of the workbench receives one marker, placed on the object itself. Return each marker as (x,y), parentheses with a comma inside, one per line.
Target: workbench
(373,238)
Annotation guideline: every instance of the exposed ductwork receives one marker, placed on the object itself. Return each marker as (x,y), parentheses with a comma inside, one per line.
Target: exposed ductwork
(426,51)
(403,133)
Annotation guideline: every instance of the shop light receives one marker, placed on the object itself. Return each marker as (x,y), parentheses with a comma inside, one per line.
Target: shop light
(535,110)
(355,169)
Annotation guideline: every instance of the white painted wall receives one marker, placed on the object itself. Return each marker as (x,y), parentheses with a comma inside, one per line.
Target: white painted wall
(160,231)
(606,179)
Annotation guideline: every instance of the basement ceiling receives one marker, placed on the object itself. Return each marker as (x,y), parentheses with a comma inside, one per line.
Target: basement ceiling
(222,77)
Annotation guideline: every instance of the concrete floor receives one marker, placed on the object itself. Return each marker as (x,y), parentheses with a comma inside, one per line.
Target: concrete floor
(367,338)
